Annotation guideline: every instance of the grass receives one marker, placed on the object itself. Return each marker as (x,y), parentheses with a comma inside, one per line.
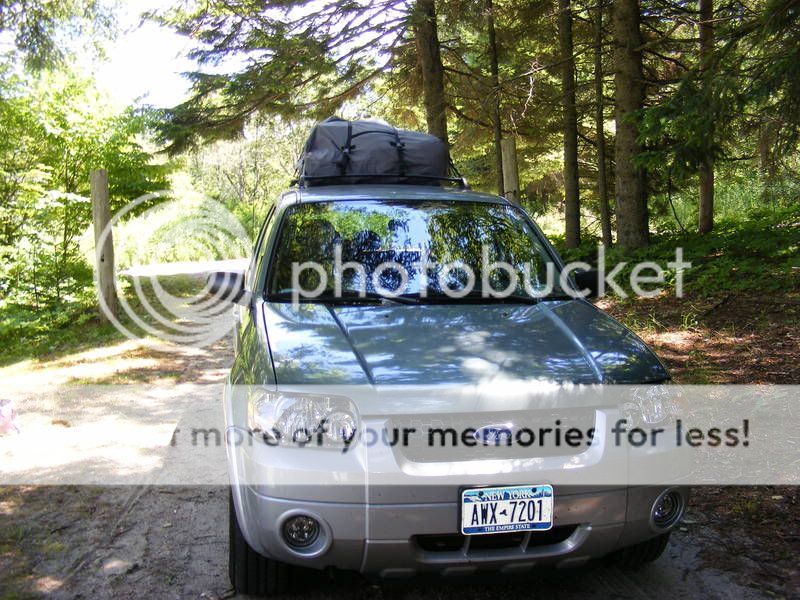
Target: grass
(735,195)
(759,255)
(75,326)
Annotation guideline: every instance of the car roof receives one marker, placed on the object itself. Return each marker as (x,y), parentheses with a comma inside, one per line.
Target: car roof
(332,193)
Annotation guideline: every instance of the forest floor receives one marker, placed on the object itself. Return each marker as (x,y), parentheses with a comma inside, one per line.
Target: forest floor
(734,338)
(153,541)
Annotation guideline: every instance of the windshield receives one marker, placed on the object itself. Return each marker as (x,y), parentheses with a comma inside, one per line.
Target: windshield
(434,251)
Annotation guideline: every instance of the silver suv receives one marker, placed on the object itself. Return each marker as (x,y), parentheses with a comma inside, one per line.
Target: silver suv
(366,315)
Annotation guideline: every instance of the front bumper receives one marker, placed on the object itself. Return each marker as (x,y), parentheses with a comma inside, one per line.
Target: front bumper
(389,512)
(402,540)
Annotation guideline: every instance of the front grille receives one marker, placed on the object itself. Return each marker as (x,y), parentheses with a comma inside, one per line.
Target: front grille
(467,544)
(419,448)
(497,541)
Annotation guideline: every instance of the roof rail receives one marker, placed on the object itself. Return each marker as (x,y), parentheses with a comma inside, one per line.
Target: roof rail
(305,180)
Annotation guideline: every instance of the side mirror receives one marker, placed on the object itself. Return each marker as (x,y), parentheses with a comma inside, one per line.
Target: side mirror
(228,286)
(588,280)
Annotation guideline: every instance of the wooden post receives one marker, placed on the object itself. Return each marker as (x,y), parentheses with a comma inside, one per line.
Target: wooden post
(508,147)
(101,215)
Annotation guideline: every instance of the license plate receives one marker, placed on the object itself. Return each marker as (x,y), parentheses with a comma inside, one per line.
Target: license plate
(504,509)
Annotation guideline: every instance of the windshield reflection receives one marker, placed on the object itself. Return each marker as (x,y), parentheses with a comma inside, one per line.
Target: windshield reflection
(432,251)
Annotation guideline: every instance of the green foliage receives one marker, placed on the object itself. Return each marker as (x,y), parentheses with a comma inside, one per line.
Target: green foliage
(75,325)
(185,228)
(248,174)
(49,267)
(745,100)
(738,194)
(529,94)
(82,132)
(764,50)
(679,133)
(56,130)
(758,253)
(40,28)
(302,60)
(299,61)
(26,333)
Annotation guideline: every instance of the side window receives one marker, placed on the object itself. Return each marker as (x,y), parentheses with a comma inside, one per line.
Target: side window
(259,250)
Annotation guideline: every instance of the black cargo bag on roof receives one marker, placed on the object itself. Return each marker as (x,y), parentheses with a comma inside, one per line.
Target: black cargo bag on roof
(342,152)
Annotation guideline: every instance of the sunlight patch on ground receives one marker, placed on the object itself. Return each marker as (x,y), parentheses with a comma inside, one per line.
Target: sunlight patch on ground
(104,434)
(87,365)
(116,566)
(47,585)
(8,507)
(680,339)
(106,446)
(124,362)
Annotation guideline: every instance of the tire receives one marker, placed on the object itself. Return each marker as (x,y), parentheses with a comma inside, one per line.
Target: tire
(642,553)
(250,572)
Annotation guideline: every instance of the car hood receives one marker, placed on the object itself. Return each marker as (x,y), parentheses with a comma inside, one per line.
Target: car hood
(560,341)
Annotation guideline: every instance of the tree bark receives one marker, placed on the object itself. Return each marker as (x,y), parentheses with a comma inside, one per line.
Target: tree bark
(104,253)
(599,117)
(508,148)
(497,125)
(763,152)
(706,211)
(766,140)
(572,215)
(430,59)
(631,196)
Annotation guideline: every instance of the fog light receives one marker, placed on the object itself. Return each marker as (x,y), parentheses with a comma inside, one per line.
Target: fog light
(667,509)
(301,531)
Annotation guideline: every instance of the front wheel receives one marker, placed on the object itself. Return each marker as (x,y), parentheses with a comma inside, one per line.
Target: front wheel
(642,553)
(250,572)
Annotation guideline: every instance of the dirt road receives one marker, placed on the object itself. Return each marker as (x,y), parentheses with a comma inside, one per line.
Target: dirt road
(170,542)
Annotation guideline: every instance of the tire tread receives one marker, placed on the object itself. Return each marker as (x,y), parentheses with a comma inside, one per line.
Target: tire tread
(250,572)
(640,554)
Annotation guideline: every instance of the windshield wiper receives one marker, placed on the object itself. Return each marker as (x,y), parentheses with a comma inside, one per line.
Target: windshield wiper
(348,297)
(557,296)
(402,299)
(474,297)
(383,299)
(478,297)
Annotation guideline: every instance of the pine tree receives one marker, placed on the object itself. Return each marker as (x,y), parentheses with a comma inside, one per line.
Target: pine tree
(572,214)
(632,214)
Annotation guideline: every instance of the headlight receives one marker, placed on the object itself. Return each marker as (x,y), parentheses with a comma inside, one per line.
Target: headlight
(289,419)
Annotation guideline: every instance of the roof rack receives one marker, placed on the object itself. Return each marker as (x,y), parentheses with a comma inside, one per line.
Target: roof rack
(303,181)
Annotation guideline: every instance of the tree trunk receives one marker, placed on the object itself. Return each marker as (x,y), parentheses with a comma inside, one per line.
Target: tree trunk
(497,124)
(763,152)
(599,117)
(572,214)
(508,148)
(104,252)
(632,217)
(766,141)
(430,60)
(706,212)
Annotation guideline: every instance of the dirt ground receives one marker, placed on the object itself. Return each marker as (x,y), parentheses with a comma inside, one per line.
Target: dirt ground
(171,542)
(166,542)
